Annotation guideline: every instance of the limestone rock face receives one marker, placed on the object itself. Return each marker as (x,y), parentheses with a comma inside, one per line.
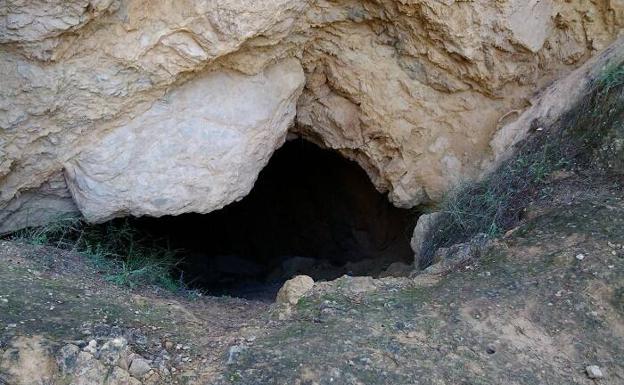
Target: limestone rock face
(160,107)
(197,149)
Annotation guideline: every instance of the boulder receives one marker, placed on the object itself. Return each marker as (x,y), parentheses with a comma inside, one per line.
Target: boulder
(293,289)
(197,149)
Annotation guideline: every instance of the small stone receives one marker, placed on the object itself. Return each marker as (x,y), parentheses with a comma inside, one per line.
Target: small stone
(91,347)
(580,257)
(490,349)
(66,358)
(139,367)
(412,334)
(294,289)
(359,285)
(233,353)
(118,376)
(111,351)
(594,372)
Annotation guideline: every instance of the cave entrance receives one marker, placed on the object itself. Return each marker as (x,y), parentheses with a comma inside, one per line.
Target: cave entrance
(310,212)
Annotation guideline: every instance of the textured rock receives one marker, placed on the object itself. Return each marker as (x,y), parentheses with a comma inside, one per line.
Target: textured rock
(293,289)
(422,232)
(198,149)
(413,91)
(594,372)
(66,358)
(139,367)
(27,361)
(51,201)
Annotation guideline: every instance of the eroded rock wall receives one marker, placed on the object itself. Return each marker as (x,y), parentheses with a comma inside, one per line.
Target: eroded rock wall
(414,91)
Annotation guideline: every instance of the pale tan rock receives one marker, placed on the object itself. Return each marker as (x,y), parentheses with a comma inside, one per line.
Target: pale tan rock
(359,285)
(426,224)
(51,202)
(555,100)
(198,149)
(397,269)
(422,94)
(119,376)
(293,289)
(28,361)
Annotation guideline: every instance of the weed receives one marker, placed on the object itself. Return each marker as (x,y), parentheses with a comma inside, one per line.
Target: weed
(117,249)
(589,136)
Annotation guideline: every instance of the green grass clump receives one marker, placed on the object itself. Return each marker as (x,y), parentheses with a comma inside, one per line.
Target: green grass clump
(589,136)
(123,254)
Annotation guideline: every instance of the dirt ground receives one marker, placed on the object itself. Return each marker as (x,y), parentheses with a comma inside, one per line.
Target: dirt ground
(538,307)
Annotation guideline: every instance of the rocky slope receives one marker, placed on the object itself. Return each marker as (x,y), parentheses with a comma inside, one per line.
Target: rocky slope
(544,304)
(117,107)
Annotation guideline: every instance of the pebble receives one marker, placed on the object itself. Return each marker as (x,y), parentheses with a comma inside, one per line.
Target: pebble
(594,372)
(139,367)
(233,353)
(580,257)
(91,347)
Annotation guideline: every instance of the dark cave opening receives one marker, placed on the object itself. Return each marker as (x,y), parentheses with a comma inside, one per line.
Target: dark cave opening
(310,212)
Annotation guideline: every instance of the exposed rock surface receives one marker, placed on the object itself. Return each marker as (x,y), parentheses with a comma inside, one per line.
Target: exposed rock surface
(197,150)
(27,362)
(294,289)
(113,92)
(422,232)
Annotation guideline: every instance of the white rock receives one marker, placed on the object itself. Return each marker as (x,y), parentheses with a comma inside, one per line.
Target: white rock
(91,347)
(594,372)
(580,257)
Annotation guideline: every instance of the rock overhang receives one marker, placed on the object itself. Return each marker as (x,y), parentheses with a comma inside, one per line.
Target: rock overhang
(414,93)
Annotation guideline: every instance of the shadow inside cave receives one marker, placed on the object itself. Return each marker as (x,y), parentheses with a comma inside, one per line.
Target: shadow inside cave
(310,212)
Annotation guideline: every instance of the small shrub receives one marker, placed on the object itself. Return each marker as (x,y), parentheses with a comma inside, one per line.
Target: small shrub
(124,255)
(577,140)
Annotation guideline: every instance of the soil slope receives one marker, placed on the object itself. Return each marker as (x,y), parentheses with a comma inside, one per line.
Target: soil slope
(539,306)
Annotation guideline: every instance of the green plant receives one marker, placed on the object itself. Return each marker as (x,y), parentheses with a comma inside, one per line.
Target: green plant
(116,248)
(577,140)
